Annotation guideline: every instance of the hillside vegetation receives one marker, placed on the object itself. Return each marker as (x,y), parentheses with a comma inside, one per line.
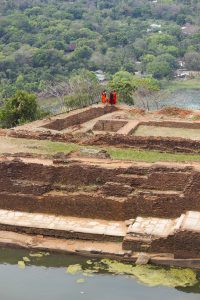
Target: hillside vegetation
(50,40)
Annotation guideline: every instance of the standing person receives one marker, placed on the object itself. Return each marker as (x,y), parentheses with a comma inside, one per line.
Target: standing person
(103,97)
(111,98)
(114,97)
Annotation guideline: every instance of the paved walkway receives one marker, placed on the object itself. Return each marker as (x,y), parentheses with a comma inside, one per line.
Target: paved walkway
(130,126)
(152,227)
(61,223)
(160,227)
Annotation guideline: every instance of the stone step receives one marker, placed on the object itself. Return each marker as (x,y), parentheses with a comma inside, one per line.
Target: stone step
(29,187)
(147,234)
(117,189)
(62,227)
(187,240)
(131,179)
(180,236)
(191,221)
(152,227)
(158,192)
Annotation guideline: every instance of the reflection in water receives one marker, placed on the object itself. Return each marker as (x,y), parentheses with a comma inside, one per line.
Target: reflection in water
(61,277)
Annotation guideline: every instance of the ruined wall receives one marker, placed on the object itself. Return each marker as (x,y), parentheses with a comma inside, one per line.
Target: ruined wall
(163,144)
(172,124)
(96,191)
(149,244)
(147,143)
(187,245)
(79,118)
(183,244)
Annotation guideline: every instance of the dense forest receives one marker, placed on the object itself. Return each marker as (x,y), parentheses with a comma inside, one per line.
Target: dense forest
(50,40)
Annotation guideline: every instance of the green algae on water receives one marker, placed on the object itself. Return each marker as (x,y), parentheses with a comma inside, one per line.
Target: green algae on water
(146,274)
(172,277)
(26,259)
(39,254)
(152,275)
(21,264)
(74,269)
(80,280)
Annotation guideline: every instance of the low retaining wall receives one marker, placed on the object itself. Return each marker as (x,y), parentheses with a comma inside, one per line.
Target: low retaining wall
(173,124)
(95,191)
(79,118)
(163,144)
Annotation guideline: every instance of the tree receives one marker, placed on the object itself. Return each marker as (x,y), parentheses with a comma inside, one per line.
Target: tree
(82,53)
(122,82)
(19,109)
(192,61)
(84,89)
(57,90)
(148,94)
(170,59)
(159,69)
(81,89)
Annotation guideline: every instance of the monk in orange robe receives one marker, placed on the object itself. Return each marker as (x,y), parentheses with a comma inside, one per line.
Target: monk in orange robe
(114,97)
(104,97)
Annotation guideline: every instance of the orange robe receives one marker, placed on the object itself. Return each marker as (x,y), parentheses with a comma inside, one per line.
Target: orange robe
(103,98)
(114,98)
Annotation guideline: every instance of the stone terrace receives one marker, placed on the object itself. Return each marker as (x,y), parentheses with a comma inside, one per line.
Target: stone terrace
(99,206)
(117,126)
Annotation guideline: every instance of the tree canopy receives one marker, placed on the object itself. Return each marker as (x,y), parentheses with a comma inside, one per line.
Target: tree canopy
(45,40)
(19,109)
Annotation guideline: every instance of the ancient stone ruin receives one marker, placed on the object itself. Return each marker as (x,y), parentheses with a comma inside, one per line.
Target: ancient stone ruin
(90,204)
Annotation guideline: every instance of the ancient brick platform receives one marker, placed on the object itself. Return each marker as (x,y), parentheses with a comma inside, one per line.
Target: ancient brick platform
(99,206)
(151,208)
(116,126)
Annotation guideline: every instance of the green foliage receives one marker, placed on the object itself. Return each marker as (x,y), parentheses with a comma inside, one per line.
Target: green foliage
(147,83)
(47,40)
(19,109)
(192,60)
(122,82)
(159,69)
(126,84)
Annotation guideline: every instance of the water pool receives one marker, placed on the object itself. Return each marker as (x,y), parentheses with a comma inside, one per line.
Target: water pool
(62,277)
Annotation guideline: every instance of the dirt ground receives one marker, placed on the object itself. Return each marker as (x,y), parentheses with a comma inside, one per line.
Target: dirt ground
(17,145)
(188,133)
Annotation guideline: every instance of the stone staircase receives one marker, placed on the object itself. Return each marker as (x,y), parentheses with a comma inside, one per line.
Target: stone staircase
(94,201)
(180,236)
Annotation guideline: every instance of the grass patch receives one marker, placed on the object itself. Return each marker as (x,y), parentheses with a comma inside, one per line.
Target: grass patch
(13,145)
(151,156)
(55,147)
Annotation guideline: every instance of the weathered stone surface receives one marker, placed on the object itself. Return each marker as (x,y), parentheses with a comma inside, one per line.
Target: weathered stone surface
(89,152)
(109,125)
(117,189)
(142,259)
(59,226)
